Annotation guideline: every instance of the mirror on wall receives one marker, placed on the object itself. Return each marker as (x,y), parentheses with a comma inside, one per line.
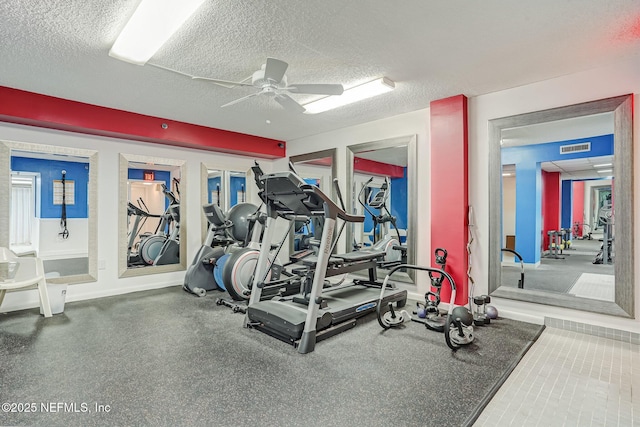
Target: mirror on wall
(319,169)
(51,208)
(224,187)
(564,233)
(380,179)
(150,225)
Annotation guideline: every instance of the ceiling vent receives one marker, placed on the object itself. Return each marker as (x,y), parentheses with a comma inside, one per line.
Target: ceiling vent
(583,147)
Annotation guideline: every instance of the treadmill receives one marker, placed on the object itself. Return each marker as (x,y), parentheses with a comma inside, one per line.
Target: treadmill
(318,312)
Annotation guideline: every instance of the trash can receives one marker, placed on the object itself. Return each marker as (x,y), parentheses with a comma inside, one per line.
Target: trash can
(57,295)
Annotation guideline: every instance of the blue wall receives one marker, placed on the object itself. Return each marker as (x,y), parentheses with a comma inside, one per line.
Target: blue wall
(212,185)
(237,184)
(399,200)
(398,205)
(527,159)
(51,170)
(567,204)
(600,146)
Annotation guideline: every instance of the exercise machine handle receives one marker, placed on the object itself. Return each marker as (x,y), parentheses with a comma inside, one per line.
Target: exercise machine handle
(336,185)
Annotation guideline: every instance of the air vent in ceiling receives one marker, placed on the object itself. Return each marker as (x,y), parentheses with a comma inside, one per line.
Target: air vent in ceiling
(575,148)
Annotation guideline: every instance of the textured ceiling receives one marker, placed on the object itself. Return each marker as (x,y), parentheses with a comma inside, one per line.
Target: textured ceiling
(431,49)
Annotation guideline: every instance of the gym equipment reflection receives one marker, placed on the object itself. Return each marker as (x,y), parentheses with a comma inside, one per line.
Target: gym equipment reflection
(317,169)
(150,223)
(556,172)
(391,163)
(226,188)
(153,239)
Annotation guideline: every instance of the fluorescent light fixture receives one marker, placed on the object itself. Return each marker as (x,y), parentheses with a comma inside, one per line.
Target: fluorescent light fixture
(506,174)
(605,170)
(602,165)
(354,94)
(151,25)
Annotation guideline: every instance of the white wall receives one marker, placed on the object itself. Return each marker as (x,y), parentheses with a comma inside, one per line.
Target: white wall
(589,202)
(414,123)
(608,81)
(52,246)
(109,149)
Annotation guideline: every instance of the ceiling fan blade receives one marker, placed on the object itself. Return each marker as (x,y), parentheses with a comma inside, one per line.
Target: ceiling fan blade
(240,99)
(274,70)
(224,83)
(289,103)
(316,89)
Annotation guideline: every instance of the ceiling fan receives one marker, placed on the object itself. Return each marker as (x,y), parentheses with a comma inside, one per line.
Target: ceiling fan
(270,80)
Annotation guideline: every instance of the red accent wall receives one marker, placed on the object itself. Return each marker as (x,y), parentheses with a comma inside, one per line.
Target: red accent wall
(550,204)
(28,108)
(578,206)
(377,168)
(450,189)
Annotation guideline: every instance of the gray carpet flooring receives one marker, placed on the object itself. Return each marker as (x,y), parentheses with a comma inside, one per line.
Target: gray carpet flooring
(559,275)
(165,357)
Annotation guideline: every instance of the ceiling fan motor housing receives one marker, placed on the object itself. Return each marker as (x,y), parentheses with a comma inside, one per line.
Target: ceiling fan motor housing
(258,80)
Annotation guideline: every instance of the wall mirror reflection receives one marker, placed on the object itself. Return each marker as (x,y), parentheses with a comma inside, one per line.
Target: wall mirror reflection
(319,169)
(226,188)
(50,208)
(563,233)
(381,178)
(150,221)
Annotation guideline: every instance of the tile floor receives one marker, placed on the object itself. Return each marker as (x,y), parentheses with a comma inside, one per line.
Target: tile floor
(595,286)
(571,378)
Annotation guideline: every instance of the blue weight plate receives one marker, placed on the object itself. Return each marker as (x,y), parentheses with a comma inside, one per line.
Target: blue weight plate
(217,271)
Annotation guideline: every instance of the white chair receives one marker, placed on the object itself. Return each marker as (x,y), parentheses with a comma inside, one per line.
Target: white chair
(30,273)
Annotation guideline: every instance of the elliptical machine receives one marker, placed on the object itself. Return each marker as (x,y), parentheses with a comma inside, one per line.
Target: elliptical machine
(605,217)
(396,253)
(155,249)
(224,232)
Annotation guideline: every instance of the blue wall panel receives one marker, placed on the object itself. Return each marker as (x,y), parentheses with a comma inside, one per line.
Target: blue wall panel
(51,170)
(527,160)
(213,185)
(528,210)
(567,204)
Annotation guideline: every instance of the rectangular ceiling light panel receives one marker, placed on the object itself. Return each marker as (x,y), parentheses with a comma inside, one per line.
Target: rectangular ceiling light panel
(355,94)
(151,25)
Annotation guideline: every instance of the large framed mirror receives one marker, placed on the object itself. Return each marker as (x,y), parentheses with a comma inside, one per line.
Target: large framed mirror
(317,168)
(390,165)
(224,187)
(50,207)
(149,219)
(561,207)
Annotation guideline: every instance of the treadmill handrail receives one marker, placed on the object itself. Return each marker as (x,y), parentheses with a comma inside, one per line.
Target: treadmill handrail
(340,213)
